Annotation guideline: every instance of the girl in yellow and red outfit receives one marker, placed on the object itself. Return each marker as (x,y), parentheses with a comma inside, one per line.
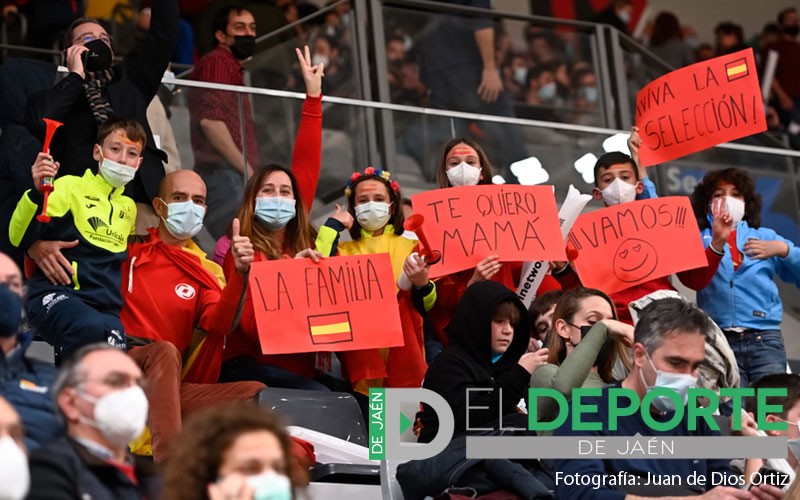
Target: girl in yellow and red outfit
(374,218)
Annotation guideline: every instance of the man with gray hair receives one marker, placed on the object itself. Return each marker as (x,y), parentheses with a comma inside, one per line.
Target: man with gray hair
(100,401)
(669,347)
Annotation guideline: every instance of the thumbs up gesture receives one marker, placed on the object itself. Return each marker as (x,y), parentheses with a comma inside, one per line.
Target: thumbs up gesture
(241,249)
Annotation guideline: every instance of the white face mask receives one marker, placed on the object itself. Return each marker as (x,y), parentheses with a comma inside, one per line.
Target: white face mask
(270,485)
(618,192)
(520,74)
(320,59)
(115,173)
(463,175)
(184,219)
(735,209)
(15,479)
(678,382)
(373,215)
(169,75)
(120,416)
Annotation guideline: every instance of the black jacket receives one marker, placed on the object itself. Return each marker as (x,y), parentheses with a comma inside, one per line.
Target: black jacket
(134,85)
(468,363)
(65,470)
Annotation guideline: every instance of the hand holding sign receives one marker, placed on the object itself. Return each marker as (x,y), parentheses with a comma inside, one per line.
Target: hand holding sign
(241,249)
(486,269)
(309,253)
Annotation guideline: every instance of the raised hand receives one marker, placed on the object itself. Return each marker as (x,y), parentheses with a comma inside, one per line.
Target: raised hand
(241,249)
(44,166)
(312,74)
(343,216)
(721,226)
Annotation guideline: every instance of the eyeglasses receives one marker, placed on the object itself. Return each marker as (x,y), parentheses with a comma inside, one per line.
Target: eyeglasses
(88,37)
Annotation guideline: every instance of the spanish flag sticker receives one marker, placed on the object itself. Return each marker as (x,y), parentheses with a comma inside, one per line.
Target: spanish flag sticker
(330,328)
(737,69)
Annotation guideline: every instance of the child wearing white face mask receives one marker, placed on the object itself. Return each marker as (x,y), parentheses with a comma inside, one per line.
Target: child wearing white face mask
(374,218)
(742,296)
(617,180)
(95,217)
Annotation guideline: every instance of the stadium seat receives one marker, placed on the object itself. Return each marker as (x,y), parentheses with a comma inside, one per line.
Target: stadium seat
(334,413)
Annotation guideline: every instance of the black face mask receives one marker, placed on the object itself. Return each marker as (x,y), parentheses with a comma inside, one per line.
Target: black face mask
(98,57)
(792,30)
(243,47)
(10,312)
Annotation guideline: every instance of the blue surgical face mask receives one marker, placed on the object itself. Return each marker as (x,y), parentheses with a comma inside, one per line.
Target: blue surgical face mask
(184,219)
(275,211)
(589,93)
(10,311)
(678,382)
(548,92)
(270,485)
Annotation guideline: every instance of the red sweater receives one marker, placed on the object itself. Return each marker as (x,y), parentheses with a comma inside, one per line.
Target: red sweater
(167,292)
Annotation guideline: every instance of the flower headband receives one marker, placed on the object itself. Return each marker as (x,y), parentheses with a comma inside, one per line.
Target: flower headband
(371,172)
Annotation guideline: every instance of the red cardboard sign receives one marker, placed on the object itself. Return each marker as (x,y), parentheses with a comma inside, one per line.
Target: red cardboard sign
(632,243)
(469,223)
(339,304)
(699,106)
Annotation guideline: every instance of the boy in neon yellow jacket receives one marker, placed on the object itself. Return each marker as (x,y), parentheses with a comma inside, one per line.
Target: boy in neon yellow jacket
(92,213)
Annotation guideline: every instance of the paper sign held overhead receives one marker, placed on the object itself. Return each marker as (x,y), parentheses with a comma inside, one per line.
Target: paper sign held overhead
(469,223)
(623,246)
(699,106)
(339,304)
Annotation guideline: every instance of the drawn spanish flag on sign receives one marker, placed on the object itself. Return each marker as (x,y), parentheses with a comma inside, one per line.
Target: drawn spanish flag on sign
(330,328)
(737,69)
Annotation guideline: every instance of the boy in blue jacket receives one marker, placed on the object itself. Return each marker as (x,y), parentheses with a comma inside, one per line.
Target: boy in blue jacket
(742,297)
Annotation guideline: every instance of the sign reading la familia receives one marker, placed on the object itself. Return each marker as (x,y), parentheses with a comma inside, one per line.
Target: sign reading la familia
(387,423)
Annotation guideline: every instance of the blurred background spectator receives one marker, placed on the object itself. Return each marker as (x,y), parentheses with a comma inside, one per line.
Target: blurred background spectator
(667,41)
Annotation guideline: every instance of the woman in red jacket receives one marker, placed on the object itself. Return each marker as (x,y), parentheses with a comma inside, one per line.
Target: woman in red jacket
(272,223)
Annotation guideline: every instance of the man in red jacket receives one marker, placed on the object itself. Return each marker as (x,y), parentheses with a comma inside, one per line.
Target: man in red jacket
(171,290)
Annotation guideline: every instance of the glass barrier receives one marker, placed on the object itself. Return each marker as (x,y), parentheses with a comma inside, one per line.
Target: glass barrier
(562,157)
